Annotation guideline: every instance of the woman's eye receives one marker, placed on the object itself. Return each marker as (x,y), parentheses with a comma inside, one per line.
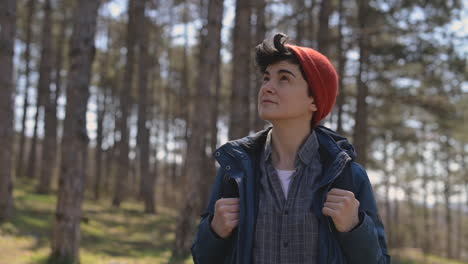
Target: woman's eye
(266,79)
(284,78)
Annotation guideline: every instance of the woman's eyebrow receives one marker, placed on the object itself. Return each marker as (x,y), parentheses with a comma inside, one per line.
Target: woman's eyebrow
(280,71)
(286,71)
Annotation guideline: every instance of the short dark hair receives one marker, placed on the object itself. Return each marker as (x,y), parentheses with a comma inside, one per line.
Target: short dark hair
(267,53)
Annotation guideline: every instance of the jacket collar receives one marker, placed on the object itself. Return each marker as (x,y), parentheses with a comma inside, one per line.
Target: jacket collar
(246,147)
(331,145)
(307,152)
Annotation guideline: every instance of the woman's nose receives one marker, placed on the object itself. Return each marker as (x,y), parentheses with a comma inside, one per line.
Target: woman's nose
(268,87)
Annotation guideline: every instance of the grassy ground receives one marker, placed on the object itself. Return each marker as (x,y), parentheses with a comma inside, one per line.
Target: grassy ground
(415,256)
(111,236)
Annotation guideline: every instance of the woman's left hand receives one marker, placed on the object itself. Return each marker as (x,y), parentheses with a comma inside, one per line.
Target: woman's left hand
(343,208)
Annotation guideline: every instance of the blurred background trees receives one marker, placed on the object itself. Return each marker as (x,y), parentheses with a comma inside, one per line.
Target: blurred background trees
(120,101)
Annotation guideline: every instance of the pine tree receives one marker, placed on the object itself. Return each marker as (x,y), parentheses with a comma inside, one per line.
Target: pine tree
(67,234)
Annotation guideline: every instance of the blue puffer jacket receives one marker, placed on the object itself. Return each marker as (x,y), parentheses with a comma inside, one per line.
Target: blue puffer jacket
(239,160)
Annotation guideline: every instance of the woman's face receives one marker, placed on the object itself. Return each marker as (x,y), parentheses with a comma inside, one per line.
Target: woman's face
(284,95)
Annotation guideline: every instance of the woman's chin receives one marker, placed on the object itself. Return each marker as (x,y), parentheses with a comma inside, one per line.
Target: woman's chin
(270,117)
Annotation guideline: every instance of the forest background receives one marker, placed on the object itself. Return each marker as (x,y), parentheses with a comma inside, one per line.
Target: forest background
(110,110)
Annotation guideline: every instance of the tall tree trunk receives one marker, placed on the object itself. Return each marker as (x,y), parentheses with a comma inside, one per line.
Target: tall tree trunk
(109,163)
(299,7)
(260,33)
(114,152)
(154,103)
(427,229)
(166,112)
(459,232)
(240,97)
(31,6)
(212,136)
(31,169)
(387,184)
(32,160)
(61,41)
(185,88)
(122,178)
(435,234)
(412,224)
(185,94)
(143,131)
(447,194)
(156,91)
(464,167)
(67,234)
(396,219)
(209,51)
(360,130)
(7,40)
(49,143)
(311,35)
(341,69)
(102,109)
(215,105)
(323,32)
(210,168)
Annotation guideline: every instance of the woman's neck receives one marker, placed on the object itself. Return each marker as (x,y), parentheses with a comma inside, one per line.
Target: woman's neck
(287,138)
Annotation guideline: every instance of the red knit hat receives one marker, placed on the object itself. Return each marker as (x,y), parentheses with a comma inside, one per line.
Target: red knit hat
(321,77)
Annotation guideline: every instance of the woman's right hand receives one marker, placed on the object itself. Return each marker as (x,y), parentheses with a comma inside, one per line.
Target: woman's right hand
(226,216)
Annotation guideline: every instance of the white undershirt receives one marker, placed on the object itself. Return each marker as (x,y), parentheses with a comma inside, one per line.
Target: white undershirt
(285,177)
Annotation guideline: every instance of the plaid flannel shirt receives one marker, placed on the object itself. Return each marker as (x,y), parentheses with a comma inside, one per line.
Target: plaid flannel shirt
(286,229)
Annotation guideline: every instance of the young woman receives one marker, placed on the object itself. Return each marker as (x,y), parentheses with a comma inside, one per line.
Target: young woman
(291,193)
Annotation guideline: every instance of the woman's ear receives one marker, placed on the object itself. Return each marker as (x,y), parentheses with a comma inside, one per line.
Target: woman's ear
(313,107)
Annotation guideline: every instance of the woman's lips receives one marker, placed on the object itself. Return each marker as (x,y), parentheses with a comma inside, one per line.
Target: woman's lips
(267,102)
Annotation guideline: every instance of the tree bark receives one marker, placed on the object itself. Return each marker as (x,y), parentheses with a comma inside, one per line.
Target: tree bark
(122,178)
(311,32)
(260,33)
(459,232)
(240,87)
(185,94)
(66,234)
(447,195)
(412,225)
(7,40)
(435,234)
(360,130)
(299,5)
(31,6)
(341,69)
(464,167)
(102,109)
(49,142)
(166,106)
(396,219)
(323,32)
(31,169)
(427,229)
(59,61)
(387,184)
(146,178)
(185,87)
(209,50)
(32,159)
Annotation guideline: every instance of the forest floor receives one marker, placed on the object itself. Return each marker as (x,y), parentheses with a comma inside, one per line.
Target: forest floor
(110,235)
